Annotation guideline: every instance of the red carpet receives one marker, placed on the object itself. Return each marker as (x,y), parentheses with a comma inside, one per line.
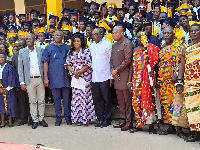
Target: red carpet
(10,146)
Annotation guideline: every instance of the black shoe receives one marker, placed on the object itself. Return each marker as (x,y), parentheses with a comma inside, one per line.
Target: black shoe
(106,123)
(99,124)
(34,126)
(69,122)
(22,123)
(43,123)
(57,123)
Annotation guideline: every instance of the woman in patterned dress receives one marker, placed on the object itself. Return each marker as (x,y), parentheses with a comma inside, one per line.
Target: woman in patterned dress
(79,65)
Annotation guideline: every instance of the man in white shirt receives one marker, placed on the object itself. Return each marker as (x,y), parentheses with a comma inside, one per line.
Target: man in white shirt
(101,52)
(30,70)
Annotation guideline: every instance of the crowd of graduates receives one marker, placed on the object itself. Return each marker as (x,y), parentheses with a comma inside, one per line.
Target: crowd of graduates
(161,40)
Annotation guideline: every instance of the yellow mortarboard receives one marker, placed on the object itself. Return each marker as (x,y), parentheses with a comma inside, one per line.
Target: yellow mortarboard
(39,30)
(113,5)
(184,6)
(22,33)
(104,25)
(187,13)
(194,22)
(66,27)
(164,9)
(11,35)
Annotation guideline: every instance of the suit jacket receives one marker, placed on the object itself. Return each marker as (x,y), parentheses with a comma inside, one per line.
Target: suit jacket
(24,64)
(121,58)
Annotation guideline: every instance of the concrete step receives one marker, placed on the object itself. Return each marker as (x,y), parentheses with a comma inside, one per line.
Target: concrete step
(50,111)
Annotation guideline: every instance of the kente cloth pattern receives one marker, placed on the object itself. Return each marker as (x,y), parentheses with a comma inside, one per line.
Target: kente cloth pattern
(82,105)
(179,117)
(142,95)
(192,86)
(169,60)
(4,98)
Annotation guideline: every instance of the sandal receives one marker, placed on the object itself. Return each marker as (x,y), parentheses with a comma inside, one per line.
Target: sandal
(168,131)
(133,130)
(181,135)
(79,124)
(192,138)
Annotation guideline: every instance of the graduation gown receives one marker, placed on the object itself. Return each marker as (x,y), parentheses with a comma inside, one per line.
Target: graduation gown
(9,78)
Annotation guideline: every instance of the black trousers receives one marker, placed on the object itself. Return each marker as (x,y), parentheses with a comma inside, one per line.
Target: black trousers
(23,103)
(102,100)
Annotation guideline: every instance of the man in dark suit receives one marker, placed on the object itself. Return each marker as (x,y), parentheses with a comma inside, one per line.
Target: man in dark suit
(21,95)
(30,70)
(121,58)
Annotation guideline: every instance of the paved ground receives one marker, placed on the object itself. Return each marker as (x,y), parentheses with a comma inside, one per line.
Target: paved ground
(91,138)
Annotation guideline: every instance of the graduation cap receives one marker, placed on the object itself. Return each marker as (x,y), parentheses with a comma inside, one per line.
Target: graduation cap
(120,9)
(22,16)
(86,4)
(134,4)
(9,35)
(36,22)
(52,29)
(14,28)
(52,17)
(111,5)
(74,14)
(83,19)
(5,15)
(22,33)
(91,24)
(168,22)
(33,11)
(28,23)
(122,24)
(184,6)
(3,27)
(66,11)
(194,22)
(97,12)
(2,35)
(103,4)
(94,4)
(148,23)
(67,28)
(40,30)
(187,13)
(65,20)
(43,16)
(173,3)
(11,13)
(105,26)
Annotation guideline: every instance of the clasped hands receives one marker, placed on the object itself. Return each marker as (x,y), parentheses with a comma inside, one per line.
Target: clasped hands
(3,90)
(115,75)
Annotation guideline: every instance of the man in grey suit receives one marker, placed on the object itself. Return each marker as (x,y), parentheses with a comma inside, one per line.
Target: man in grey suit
(30,69)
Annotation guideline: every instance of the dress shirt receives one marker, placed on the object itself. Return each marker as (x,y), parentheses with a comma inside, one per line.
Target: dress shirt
(101,53)
(41,44)
(34,65)
(187,36)
(1,71)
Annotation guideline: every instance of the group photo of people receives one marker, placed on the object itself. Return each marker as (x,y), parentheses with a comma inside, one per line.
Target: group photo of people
(146,54)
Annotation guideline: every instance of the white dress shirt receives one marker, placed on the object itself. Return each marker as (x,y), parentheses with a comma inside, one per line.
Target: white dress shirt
(41,44)
(34,65)
(1,71)
(101,53)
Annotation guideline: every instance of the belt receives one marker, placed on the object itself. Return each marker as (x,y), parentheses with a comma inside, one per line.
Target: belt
(35,76)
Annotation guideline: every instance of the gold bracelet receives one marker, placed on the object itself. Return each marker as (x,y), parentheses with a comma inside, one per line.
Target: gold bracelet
(129,83)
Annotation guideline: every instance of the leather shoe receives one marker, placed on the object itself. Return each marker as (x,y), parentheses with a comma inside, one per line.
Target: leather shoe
(22,123)
(106,123)
(34,126)
(43,123)
(57,123)
(126,128)
(99,124)
(69,122)
(119,125)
